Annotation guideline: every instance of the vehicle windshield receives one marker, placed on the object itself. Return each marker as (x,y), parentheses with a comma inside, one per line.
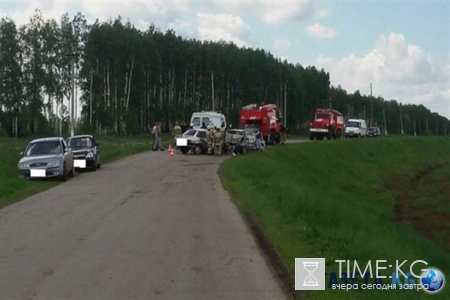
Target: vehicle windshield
(80,143)
(196,121)
(43,148)
(353,124)
(190,132)
(322,116)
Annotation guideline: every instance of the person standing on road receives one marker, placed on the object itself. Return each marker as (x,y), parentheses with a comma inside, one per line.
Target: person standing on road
(283,134)
(158,143)
(177,131)
(154,130)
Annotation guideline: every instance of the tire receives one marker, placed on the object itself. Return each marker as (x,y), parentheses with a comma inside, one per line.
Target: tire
(184,150)
(330,134)
(64,175)
(311,136)
(198,149)
(72,172)
(95,166)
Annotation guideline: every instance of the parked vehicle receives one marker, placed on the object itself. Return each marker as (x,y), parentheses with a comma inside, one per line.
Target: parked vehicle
(327,123)
(236,139)
(199,119)
(265,117)
(373,132)
(48,157)
(194,140)
(250,134)
(86,151)
(355,128)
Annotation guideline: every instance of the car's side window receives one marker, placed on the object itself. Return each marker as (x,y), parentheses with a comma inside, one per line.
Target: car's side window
(201,134)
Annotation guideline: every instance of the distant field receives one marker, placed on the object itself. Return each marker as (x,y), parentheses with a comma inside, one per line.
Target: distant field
(14,188)
(342,200)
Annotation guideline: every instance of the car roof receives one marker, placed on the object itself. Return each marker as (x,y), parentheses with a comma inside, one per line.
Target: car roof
(80,136)
(208,113)
(47,139)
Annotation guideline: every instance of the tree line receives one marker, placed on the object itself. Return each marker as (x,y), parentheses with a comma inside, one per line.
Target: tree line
(129,78)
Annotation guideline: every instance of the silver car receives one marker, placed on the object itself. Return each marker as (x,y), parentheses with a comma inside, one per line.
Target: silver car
(48,157)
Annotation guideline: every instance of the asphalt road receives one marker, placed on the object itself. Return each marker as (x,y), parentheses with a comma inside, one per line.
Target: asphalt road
(148,227)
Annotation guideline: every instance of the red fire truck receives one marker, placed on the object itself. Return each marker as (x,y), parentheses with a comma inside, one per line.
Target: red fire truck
(327,123)
(264,116)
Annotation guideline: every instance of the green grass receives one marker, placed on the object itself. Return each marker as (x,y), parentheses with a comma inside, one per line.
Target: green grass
(330,199)
(13,188)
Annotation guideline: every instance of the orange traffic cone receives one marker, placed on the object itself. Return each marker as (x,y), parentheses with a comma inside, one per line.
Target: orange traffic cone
(170,150)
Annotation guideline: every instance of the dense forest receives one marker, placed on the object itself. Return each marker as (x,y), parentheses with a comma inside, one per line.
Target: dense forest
(129,79)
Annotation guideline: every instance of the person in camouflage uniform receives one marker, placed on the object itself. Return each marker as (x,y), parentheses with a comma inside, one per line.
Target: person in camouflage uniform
(210,139)
(218,137)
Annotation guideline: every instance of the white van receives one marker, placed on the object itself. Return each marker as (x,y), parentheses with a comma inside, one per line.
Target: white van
(355,128)
(199,119)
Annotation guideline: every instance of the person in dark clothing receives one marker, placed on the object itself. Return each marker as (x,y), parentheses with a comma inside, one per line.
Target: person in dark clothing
(204,126)
(283,131)
(258,136)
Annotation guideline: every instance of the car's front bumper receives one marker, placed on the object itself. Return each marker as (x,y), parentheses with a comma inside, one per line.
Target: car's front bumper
(49,172)
(321,130)
(88,162)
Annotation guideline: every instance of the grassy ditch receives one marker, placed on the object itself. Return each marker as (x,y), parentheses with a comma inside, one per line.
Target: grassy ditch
(333,199)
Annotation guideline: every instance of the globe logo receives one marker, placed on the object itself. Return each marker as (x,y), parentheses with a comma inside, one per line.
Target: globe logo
(433,279)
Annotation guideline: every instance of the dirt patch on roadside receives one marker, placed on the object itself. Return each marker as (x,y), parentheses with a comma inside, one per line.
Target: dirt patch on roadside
(423,202)
(272,257)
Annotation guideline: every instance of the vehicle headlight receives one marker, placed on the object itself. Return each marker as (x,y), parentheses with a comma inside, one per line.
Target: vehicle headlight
(90,155)
(53,163)
(24,166)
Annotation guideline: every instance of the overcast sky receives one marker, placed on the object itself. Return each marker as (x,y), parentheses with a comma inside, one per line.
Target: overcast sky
(402,47)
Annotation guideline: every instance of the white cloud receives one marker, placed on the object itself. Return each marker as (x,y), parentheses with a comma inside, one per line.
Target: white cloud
(271,12)
(277,12)
(320,13)
(398,70)
(223,26)
(281,45)
(320,31)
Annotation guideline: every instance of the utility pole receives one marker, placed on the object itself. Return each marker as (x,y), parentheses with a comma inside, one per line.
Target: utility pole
(285,103)
(414,124)
(212,91)
(384,117)
(72,104)
(401,119)
(371,106)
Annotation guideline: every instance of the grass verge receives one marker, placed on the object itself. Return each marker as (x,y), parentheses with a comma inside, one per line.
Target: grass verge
(13,188)
(330,199)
